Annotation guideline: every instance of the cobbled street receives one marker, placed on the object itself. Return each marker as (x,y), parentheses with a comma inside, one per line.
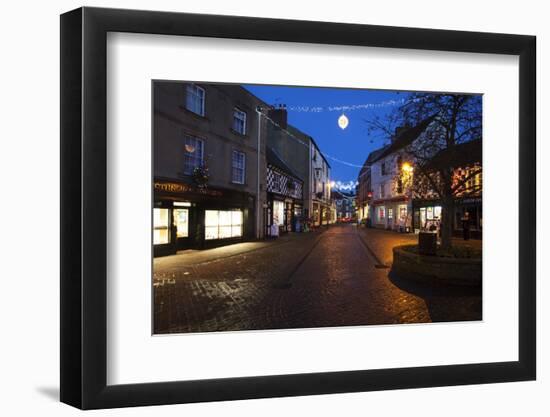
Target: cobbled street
(333,277)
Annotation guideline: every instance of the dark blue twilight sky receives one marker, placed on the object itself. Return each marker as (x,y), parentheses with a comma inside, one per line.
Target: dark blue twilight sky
(352,144)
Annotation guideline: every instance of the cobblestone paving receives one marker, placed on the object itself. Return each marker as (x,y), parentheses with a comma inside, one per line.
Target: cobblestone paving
(382,242)
(309,280)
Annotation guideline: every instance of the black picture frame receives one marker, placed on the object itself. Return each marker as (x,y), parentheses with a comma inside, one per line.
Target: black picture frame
(84,207)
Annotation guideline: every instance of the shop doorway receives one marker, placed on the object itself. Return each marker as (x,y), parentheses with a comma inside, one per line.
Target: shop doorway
(182,225)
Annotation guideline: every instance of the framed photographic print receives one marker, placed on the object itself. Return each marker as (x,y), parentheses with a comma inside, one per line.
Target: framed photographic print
(256,208)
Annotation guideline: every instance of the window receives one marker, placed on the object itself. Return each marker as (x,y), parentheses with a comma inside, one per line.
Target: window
(161,229)
(399,186)
(238,165)
(383,168)
(390,213)
(239,121)
(402,212)
(423,217)
(276,184)
(278,213)
(195,99)
(222,224)
(192,154)
(381,213)
(381,190)
(429,213)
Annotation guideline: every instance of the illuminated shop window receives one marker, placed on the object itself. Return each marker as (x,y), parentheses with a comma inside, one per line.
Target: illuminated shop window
(423,217)
(402,212)
(429,213)
(211,223)
(223,224)
(381,213)
(390,213)
(236,223)
(278,212)
(161,229)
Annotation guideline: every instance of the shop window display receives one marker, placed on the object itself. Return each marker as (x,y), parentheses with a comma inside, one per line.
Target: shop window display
(161,226)
(220,224)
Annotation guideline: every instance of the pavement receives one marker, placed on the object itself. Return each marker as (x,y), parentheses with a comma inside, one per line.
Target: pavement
(381,242)
(196,256)
(332,277)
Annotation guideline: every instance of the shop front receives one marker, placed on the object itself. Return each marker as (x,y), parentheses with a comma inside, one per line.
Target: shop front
(185,216)
(316,214)
(284,201)
(392,214)
(284,213)
(428,213)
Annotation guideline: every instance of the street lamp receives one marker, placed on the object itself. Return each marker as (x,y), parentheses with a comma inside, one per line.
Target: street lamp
(258,213)
(407,167)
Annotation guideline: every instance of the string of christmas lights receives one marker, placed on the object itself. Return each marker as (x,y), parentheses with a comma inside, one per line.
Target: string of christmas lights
(348,107)
(345,186)
(332,158)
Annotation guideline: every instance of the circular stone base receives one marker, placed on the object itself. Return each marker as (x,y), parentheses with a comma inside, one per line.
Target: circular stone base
(456,271)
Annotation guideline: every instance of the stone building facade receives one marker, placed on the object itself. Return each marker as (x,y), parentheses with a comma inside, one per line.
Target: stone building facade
(209,173)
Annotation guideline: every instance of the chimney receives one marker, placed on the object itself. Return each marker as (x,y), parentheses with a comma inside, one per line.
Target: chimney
(398,131)
(278,115)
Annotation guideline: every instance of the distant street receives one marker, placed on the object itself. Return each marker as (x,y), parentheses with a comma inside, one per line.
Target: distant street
(337,277)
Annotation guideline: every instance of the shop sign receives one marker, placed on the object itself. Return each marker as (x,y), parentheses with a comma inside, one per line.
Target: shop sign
(178,188)
(470,200)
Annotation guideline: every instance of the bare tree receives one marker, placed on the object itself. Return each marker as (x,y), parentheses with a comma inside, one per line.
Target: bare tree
(446,155)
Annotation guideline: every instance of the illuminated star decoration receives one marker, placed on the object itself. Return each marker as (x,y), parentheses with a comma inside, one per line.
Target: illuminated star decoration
(344,185)
(343,121)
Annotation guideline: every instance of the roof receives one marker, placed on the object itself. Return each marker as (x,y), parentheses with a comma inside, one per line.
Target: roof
(376,155)
(460,155)
(405,138)
(274,159)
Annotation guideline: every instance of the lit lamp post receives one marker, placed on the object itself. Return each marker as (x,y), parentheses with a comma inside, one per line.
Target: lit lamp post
(407,168)
(258,213)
